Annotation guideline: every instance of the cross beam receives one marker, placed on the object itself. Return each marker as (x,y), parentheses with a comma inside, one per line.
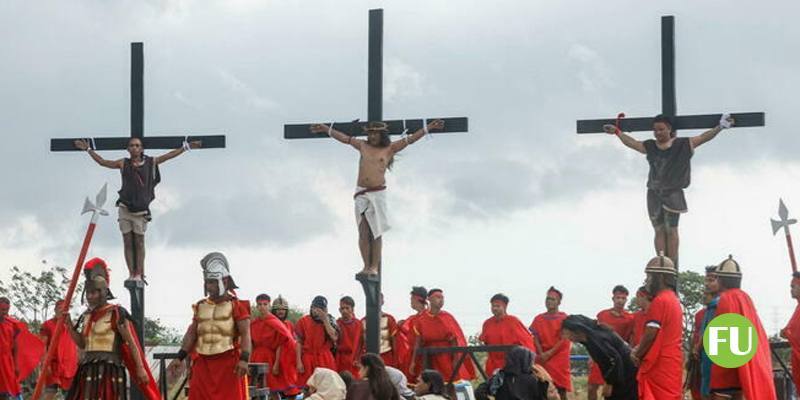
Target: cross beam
(372,285)
(137,120)
(669,100)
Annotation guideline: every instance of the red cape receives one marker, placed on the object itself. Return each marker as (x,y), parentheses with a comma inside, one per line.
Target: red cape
(792,333)
(755,378)
(437,330)
(30,350)
(65,364)
(509,330)
(268,334)
(349,343)
(548,329)
(660,373)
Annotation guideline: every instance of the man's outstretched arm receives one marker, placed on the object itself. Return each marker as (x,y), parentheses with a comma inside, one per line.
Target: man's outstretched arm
(725,122)
(412,138)
(626,139)
(174,153)
(113,164)
(338,135)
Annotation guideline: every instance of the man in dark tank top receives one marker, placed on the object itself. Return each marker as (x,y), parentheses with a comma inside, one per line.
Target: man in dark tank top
(670,158)
(140,175)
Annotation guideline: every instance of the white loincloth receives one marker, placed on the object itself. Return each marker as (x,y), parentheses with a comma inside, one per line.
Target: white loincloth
(372,205)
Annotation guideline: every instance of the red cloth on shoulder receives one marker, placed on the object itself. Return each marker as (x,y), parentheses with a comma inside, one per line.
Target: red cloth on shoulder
(64,364)
(316,347)
(508,330)
(661,371)
(755,377)
(269,334)
(348,347)
(547,328)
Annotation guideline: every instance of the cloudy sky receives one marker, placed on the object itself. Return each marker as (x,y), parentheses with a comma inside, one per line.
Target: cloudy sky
(517,204)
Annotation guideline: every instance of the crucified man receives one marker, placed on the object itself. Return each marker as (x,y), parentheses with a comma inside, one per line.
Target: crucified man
(140,175)
(669,157)
(377,155)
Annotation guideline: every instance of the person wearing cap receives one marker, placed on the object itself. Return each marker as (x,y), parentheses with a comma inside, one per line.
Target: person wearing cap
(140,175)
(552,349)
(274,345)
(503,329)
(348,348)
(406,339)
(753,380)
(64,363)
(792,330)
(218,338)
(438,328)
(105,335)
(317,335)
(377,155)
(670,158)
(659,355)
(621,322)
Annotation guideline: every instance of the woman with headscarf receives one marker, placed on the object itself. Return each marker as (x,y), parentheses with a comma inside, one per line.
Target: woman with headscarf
(325,384)
(516,380)
(608,351)
(375,383)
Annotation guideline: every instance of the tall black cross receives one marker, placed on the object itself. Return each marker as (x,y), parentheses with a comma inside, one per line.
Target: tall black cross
(136,288)
(668,100)
(372,287)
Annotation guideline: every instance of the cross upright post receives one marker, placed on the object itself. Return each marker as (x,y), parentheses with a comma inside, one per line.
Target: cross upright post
(669,104)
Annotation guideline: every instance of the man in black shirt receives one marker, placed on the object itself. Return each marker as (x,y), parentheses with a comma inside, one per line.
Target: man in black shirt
(669,157)
(140,176)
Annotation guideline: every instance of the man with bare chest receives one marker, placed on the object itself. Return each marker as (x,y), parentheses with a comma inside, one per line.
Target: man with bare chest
(377,155)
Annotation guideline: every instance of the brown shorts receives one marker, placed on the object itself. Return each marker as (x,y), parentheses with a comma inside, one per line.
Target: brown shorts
(135,222)
(665,206)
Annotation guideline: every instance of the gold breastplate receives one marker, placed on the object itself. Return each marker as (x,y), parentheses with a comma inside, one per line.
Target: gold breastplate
(215,327)
(101,335)
(386,344)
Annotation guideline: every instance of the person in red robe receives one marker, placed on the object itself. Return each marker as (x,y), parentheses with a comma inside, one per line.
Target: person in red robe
(621,322)
(274,345)
(9,385)
(438,328)
(65,363)
(553,350)
(659,355)
(503,329)
(317,335)
(753,380)
(643,302)
(406,340)
(280,309)
(109,344)
(218,338)
(350,333)
(792,330)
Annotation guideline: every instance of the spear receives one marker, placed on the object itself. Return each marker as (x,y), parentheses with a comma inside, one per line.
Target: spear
(784,223)
(97,210)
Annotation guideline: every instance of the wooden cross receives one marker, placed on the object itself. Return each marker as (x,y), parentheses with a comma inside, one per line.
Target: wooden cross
(668,99)
(372,286)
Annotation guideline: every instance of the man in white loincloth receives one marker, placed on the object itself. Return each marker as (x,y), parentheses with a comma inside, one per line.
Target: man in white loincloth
(377,155)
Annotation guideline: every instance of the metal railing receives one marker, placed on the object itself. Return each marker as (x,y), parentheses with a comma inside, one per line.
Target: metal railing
(257,375)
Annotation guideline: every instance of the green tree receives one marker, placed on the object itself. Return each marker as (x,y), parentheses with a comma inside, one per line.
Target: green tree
(156,334)
(34,296)
(691,291)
